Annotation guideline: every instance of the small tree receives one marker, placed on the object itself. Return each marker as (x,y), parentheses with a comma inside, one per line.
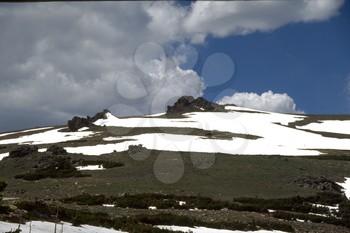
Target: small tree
(2,187)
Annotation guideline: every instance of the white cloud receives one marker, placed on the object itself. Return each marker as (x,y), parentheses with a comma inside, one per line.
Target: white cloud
(267,101)
(225,18)
(63,59)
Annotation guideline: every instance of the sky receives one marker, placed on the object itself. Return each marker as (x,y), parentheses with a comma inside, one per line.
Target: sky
(58,60)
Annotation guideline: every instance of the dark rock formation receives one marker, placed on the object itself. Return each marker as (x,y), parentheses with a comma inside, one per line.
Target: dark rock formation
(134,149)
(77,123)
(318,183)
(80,122)
(22,151)
(190,104)
(99,115)
(57,150)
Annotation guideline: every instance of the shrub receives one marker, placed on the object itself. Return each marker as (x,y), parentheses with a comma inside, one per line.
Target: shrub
(57,150)
(22,151)
(87,199)
(2,186)
(55,167)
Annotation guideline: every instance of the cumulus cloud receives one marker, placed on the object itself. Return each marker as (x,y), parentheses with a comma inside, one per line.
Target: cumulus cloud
(221,19)
(64,59)
(268,101)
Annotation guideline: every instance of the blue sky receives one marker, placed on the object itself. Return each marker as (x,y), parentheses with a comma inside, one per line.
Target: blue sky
(309,61)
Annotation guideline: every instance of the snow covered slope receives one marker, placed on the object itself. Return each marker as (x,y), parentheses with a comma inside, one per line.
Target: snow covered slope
(276,138)
(48,227)
(211,230)
(274,134)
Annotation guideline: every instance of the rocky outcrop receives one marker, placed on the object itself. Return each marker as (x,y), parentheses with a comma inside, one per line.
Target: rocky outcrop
(57,150)
(77,123)
(134,149)
(318,183)
(190,104)
(80,122)
(99,115)
(22,151)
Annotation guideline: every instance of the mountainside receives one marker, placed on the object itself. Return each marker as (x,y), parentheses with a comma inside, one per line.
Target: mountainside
(198,164)
(230,130)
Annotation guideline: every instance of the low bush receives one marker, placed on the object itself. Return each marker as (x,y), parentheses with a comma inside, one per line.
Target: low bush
(344,212)
(87,199)
(136,224)
(23,151)
(163,201)
(55,167)
(296,204)
(3,185)
(3,209)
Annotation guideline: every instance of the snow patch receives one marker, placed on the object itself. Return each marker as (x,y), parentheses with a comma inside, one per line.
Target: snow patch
(42,150)
(190,143)
(24,131)
(108,205)
(332,208)
(4,155)
(330,126)
(181,203)
(51,136)
(346,187)
(83,129)
(90,168)
(45,227)
(210,230)
(108,139)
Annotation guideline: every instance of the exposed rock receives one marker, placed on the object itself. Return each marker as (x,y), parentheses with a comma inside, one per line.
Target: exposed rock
(57,150)
(80,122)
(77,123)
(22,151)
(133,149)
(99,115)
(190,104)
(318,183)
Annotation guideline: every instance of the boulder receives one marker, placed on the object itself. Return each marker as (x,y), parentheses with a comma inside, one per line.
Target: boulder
(190,104)
(133,149)
(99,115)
(79,122)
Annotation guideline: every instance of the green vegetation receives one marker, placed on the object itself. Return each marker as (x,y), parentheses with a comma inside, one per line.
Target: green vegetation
(341,218)
(2,186)
(137,223)
(210,134)
(268,177)
(57,167)
(3,209)
(231,188)
(293,208)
